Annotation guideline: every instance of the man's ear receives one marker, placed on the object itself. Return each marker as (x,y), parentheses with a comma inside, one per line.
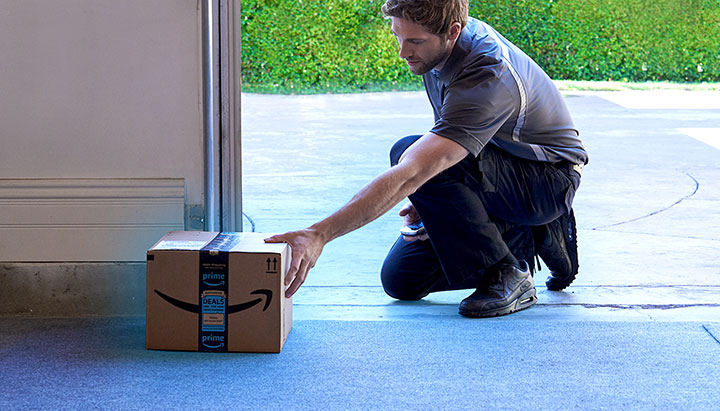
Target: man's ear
(454,31)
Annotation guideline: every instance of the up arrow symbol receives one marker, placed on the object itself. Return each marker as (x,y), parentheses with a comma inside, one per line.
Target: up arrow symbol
(271,265)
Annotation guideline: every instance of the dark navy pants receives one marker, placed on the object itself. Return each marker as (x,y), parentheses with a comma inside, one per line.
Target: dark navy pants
(475,212)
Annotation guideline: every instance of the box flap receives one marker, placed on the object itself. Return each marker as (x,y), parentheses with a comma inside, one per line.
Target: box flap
(184,240)
(253,243)
(233,242)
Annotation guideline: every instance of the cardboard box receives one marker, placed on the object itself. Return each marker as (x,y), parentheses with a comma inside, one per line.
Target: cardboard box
(221,292)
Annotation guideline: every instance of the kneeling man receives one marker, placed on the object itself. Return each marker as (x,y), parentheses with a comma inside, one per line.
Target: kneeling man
(491,184)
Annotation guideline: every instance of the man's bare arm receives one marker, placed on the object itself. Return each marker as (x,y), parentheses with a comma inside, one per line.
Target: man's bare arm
(426,158)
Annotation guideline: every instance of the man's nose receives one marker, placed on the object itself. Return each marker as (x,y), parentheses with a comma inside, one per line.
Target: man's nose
(405,50)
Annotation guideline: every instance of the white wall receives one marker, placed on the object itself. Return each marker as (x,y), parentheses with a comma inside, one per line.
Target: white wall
(100,104)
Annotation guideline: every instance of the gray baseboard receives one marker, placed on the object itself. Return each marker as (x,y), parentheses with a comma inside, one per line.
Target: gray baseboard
(72,289)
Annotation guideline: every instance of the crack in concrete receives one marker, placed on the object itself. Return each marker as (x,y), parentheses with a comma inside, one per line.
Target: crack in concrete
(584,305)
(697,186)
(540,287)
(619,231)
(638,306)
(711,334)
(644,312)
(694,286)
(631,306)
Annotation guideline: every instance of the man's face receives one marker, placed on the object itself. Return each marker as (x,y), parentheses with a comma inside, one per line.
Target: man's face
(422,50)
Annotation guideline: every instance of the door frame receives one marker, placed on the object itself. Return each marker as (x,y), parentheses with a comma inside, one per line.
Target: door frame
(222,106)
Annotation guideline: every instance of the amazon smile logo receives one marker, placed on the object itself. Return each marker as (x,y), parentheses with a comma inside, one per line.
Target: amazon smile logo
(219,341)
(213,279)
(195,308)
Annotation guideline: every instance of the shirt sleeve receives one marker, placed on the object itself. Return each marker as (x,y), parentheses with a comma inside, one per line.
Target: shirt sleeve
(473,110)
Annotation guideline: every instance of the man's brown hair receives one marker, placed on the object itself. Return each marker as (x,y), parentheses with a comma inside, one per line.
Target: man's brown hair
(435,15)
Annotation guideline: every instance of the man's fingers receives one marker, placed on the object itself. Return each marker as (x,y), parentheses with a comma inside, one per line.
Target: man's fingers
(295,266)
(277,238)
(303,257)
(299,279)
(291,272)
(297,272)
(421,237)
(409,214)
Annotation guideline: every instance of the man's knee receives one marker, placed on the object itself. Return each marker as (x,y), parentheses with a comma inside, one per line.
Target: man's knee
(400,146)
(397,286)
(399,293)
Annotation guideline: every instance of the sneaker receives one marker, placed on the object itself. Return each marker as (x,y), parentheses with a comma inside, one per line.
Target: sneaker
(503,291)
(557,246)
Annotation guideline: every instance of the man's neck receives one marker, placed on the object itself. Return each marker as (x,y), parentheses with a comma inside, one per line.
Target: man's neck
(440,66)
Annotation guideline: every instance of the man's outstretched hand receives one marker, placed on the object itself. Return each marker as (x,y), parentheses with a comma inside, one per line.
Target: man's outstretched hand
(306,247)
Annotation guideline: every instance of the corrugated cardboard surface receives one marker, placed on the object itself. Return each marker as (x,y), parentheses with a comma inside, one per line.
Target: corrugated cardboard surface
(255,271)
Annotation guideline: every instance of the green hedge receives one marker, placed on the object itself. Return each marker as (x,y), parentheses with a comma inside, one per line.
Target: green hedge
(345,45)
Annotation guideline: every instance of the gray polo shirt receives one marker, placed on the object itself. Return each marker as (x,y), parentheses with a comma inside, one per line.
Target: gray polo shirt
(490,91)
